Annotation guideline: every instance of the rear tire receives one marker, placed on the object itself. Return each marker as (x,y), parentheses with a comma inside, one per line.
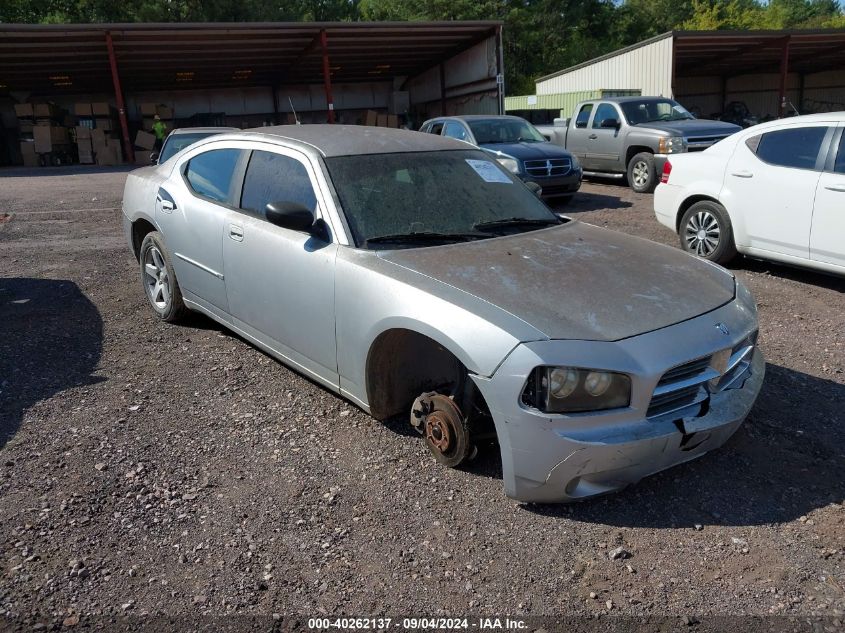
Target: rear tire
(642,176)
(705,231)
(159,279)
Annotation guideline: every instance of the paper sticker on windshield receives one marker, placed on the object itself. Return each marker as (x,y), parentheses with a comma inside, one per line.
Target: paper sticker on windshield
(488,171)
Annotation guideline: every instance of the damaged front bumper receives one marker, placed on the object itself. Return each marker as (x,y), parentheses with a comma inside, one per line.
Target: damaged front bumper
(558,457)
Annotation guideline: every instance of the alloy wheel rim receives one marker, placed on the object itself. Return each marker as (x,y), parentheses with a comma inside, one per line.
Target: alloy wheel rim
(640,173)
(702,233)
(156,279)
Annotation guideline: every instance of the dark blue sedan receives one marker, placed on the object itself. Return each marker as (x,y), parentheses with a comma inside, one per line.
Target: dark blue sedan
(518,146)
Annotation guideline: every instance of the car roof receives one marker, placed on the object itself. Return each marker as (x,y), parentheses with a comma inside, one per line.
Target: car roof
(478,117)
(348,140)
(210,130)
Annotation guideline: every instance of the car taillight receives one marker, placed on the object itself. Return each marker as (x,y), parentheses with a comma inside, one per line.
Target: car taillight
(667,169)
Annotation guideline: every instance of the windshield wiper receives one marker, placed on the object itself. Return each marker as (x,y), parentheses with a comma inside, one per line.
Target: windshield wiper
(425,236)
(517,222)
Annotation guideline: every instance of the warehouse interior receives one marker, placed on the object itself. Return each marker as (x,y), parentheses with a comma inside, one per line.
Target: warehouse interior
(75,79)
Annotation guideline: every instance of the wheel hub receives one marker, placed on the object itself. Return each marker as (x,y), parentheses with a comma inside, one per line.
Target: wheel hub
(437,431)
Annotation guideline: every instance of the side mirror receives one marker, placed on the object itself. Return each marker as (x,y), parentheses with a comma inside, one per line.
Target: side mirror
(154,158)
(290,215)
(611,124)
(534,188)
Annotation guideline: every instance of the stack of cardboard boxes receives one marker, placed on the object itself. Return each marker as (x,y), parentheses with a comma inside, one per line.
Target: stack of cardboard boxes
(373,118)
(97,138)
(41,131)
(145,139)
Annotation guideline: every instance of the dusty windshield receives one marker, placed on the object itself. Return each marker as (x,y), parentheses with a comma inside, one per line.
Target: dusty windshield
(426,198)
(488,131)
(654,110)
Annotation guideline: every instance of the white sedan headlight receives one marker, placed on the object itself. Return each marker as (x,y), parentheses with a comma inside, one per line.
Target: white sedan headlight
(671,145)
(573,390)
(509,163)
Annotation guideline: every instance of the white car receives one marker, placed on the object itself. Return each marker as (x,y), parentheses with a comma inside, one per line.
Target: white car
(773,191)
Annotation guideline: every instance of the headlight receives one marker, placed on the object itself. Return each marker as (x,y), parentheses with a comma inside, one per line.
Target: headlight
(509,163)
(671,145)
(575,164)
(573,390)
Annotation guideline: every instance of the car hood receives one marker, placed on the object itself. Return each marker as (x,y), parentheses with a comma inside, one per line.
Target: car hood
(692,127)
(527,151)
(578,281)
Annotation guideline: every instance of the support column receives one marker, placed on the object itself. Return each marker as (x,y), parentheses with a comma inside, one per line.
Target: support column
(784,72)
(442,71)
(128,150)
(500,69)
(327,77)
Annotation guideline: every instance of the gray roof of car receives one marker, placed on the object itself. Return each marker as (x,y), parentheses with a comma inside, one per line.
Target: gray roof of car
(476,117)
(349,140)
(210,130)
(629,99)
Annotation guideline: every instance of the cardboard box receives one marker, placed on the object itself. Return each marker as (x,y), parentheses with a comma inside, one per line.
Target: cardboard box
(142,158)
(30,158)
(382,120)
(82,109)
(47,111)
(370,117)
(83,132)
(47,137)
(85,151)
(104,124)
(392,121)
(164,112)
(25,126)
(98,136)
(145,140)
(24,110)
(147,124)
(148,109)
(101,109)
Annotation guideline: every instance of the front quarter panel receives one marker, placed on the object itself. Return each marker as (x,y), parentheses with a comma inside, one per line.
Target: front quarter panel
(374,296)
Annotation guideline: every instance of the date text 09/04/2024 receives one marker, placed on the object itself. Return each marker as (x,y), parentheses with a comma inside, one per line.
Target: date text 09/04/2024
(384,623)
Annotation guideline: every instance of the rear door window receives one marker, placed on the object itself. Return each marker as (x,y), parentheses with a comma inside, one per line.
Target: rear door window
(276,178)
(583,115)
(796,147)
(839,164)
(455,130)
(604,111)
(210,174)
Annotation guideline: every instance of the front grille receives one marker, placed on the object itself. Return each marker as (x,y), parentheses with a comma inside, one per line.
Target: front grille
(676,400)
(700,143)
(687,370)
(550,167)
(681,387)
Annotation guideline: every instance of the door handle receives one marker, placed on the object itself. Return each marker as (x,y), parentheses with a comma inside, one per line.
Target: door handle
(236,233)
(742,174)
(593,136)
(168,205)
(840,188)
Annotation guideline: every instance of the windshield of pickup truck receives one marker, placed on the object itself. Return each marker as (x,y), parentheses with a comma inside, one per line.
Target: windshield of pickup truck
(488,131)
(412,199)
(654,110)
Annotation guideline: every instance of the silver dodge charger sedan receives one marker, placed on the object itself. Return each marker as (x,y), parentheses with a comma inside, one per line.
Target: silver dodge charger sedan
(413,275)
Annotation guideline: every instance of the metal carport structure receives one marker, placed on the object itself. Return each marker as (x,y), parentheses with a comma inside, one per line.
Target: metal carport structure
(433,61)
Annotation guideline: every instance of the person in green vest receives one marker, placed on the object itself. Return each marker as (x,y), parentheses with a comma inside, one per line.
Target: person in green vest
(160,131)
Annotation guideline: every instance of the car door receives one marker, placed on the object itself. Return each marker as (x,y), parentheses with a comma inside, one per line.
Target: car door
(604,144)
(280,282)
(769,187)
(191,207)
(577,140)
(827,234)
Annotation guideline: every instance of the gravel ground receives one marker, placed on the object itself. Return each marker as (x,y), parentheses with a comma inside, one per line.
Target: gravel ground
(149,468)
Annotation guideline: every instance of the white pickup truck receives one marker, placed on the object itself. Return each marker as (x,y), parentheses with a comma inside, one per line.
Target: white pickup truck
(632,136)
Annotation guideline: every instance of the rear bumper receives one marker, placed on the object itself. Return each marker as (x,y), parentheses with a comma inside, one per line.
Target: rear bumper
(667,201)
(561,458)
